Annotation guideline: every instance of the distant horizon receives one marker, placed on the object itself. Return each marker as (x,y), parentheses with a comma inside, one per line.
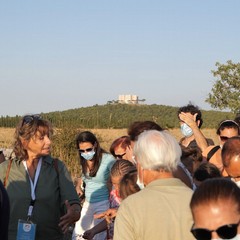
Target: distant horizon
(63,110)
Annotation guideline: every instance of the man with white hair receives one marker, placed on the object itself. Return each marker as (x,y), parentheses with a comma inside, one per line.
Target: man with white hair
(161,210)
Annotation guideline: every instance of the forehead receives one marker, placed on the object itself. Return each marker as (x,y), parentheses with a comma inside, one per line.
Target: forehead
(229,132)
(212,215)
(119,150)
(84,145)
(234,166)
(43,130)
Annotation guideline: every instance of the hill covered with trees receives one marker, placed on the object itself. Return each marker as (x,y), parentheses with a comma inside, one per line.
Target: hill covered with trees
(109,116)
(119,116)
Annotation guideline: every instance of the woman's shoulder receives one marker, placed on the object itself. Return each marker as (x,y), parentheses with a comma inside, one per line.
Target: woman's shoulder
(108,157)
(4,165)
(8,165)
(10,162)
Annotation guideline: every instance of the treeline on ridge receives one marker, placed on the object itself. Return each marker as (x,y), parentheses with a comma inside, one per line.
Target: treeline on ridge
(112,116)
(119,116)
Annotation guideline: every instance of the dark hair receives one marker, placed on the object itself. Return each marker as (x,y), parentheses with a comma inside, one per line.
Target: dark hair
(193,110)
(231,148)
(26,130)
(87,136)
(128,184)
(191,152)
(227,124)
(205,171)
(121,167)
(190,155)
(123,141)
(216,189)
(136,128)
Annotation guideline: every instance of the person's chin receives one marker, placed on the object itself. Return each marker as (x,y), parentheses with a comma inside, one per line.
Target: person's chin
(46,152)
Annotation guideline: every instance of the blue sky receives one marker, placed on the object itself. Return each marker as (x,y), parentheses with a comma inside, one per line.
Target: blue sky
(58,55)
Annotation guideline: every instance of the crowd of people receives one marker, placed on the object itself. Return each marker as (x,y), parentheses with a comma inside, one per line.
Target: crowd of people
(147,185)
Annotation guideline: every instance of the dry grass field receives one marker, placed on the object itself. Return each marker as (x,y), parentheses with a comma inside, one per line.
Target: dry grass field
(106,136)
(6,137)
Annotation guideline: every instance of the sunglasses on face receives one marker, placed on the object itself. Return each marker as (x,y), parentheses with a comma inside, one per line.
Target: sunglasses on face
(224,138)
(228,231)
(29,118)
(119,155)
(85,150)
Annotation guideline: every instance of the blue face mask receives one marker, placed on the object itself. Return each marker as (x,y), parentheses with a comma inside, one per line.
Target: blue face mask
(88,155)
(186,130)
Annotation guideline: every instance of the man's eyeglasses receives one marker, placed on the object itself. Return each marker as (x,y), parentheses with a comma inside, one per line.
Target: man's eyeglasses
(119,155)
(224,138)
(85,150)
(228,231)
(29,118)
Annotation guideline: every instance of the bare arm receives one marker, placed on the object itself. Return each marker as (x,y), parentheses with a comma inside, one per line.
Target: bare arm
(190,120)
(89,234)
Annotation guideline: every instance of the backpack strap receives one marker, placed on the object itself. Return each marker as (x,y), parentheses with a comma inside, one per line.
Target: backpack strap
(211,152)
(7,173)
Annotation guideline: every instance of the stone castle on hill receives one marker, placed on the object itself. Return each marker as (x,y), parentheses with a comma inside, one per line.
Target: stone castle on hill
(127,99)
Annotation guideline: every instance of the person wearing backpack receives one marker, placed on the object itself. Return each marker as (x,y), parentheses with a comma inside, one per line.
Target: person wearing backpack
(43,200)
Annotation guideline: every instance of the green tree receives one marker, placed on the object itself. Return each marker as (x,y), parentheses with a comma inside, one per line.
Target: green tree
(226,90)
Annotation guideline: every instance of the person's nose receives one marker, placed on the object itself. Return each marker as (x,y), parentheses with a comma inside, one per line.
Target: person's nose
(215,235)
(47,140)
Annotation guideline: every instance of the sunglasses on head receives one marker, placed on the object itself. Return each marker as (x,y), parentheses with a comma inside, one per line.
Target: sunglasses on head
(29,118)
(224,138)
(85,150)
(119,155)
(228,231)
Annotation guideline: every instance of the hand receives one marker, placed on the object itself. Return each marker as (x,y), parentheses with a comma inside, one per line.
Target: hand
(99,215)
(129,155)
(79,191)
(89,234)
(111,212)
(108,215)
(78,186)
(189,119)
(72,215)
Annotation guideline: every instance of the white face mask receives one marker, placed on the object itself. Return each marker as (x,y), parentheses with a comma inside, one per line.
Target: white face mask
(88,155)
(186,130)
(140,181)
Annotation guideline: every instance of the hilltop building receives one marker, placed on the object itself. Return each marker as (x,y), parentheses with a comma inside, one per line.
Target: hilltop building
(128,99)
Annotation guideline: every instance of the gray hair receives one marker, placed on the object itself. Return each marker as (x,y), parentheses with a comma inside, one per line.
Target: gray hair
(156,150)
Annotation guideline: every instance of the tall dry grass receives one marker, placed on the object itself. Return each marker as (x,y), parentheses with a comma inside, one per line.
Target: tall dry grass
(106,136)
(6,137)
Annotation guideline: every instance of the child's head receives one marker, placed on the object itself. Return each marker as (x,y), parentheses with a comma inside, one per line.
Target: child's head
(128,184)
(119,169)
